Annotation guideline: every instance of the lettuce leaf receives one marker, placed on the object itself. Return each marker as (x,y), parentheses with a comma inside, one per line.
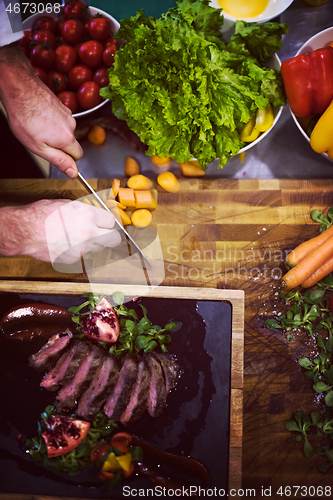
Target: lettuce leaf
(183,89)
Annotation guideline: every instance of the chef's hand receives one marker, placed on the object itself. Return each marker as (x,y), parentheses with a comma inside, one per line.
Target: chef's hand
(36,116)
(56,230)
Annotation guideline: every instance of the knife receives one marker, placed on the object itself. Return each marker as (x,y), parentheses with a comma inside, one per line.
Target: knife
(144,259)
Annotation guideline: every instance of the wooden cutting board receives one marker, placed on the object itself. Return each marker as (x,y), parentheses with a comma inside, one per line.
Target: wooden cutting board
(225,234)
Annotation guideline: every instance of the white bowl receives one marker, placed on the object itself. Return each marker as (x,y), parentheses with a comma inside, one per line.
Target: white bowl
(29,22)
(321,39)
(273,9)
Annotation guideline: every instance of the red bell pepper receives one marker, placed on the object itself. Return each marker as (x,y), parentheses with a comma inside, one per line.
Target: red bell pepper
(308,81)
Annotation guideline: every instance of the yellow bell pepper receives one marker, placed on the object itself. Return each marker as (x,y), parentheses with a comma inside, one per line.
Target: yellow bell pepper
(264,119)
(249,132)
(120,462)
(321,138)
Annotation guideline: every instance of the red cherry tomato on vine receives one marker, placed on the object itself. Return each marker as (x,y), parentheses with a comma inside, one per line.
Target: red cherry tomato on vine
(100,28)
(78,75)
(26,39)
(65,58)
(45,23)
(74,8)
(88,95)
(40,73)
(69,99)
(43,36)
(72,31)
(108,56)
(56,81)
(101,77)
(91,53)
(42,56)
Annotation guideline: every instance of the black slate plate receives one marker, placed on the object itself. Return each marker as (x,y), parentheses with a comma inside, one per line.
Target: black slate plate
(195,423)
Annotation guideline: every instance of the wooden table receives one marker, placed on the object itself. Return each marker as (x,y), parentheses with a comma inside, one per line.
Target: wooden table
(225,234)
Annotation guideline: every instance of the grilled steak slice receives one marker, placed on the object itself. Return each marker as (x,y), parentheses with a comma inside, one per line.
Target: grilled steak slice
(137,404)
(65,368)
(121,394)
(69,394)
(171,370)
(98,390)
(157,389)
(51,350)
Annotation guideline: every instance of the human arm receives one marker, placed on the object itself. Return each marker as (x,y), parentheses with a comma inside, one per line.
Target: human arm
(35,115)
(61,230)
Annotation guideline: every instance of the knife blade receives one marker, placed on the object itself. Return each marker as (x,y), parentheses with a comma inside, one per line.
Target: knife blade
(144,259)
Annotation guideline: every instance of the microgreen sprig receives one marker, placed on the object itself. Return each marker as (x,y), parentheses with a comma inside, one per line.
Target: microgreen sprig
(136,334)
(72,462)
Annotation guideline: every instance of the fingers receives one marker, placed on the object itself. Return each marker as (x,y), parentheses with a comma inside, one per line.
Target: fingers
(107,239)
(104,219)
(74,150)
(60,160)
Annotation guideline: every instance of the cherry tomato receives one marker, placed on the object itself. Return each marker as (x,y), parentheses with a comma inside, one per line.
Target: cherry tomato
(45,23)
(101,77)
(43,36)
(119,446)
(91,53)
(72,31)
(88,95)
(65,58)
(108,56)
(40,73)
(77,75)
(98,452)
(122,437)
(100,28)
(56,81)
(74,8)
(105,475)
(26,39)
(69,99)
(42,56)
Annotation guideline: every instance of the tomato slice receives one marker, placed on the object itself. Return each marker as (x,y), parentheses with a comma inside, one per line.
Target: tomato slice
(63,434)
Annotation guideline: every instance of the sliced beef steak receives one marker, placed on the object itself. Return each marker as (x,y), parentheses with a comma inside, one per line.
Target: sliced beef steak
(170,367)
(69,394)
(51,350)
(121,394)
(65,368)
(137,404)
(99,388)
(157,389)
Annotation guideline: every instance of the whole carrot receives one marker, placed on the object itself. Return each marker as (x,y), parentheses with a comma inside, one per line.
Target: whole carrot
(318,275)
(309,265)
(302,250)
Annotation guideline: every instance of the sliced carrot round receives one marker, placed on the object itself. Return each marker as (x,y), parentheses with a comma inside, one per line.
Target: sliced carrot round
(141,217)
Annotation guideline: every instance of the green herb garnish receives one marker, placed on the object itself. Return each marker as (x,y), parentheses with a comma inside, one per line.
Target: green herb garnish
(73,462)
(136,334)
